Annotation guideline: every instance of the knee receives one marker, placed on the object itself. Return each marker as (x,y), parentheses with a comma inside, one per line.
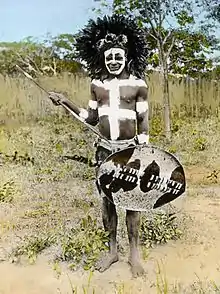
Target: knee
(132,216)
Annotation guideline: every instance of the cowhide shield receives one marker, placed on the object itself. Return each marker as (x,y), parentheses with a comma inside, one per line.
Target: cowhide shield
(141,178)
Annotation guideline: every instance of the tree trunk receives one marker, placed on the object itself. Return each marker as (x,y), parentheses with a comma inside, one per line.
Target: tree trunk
(166,104)
(165,89)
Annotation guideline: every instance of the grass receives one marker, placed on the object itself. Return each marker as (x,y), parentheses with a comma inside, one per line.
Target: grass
(7,191)
(32,246)
(21,100)
(49,205)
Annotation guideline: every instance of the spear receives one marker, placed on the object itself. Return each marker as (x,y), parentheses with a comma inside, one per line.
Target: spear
(27,75)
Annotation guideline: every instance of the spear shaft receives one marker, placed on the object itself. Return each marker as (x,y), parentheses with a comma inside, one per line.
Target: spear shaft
(27,75)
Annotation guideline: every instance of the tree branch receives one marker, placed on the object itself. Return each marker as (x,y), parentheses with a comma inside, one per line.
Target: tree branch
(171,46)
(166,37)
(156,35)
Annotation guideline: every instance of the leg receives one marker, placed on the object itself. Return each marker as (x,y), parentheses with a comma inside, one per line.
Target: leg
(132,222)
(110,221)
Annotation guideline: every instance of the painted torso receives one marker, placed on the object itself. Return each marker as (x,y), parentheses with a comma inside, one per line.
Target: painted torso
(116,102)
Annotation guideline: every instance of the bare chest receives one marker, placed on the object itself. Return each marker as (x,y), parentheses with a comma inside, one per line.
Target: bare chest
(116,95)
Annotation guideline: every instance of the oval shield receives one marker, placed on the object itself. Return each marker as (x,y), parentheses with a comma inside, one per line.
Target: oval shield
(141,178)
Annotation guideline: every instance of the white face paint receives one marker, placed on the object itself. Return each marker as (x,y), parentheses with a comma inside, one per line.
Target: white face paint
(115,60)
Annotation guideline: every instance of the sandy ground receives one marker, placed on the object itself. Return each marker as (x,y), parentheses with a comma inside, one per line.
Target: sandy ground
(189,264)
(194,258)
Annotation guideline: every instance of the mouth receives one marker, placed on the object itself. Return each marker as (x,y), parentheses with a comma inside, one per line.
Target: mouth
(114,67)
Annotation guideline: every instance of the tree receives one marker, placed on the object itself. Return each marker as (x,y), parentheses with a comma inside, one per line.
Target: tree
(170,29)
(51,56)
(63,45)
(189,55)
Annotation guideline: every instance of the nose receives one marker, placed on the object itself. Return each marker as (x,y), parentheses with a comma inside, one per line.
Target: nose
(114,61)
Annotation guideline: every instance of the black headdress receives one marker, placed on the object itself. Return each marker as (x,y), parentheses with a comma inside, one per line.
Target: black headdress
(111,31)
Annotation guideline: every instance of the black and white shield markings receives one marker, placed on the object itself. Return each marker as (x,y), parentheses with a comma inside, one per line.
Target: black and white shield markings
(141,178)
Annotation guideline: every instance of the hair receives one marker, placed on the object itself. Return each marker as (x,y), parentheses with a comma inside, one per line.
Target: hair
(109,32)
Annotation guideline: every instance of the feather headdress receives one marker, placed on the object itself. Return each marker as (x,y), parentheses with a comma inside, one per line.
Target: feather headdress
(108,32)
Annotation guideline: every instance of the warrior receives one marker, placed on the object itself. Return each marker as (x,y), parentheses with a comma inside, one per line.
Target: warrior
(114,49)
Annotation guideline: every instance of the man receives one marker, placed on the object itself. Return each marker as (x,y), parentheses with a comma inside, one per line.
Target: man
(115,52)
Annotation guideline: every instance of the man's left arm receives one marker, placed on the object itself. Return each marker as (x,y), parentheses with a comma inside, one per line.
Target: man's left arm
(142,114)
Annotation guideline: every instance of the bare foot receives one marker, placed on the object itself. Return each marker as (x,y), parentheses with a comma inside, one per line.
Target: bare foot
(106,261)
(137,269)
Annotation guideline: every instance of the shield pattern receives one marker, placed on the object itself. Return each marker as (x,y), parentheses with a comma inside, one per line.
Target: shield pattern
(141,178)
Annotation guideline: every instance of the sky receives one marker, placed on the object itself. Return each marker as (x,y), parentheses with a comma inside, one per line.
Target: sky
(22,18)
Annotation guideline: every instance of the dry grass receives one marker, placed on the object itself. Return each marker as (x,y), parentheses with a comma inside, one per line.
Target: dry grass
(191,98)
(48,196)
(22,100)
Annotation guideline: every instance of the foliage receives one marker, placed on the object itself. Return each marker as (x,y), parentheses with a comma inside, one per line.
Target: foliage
(32,246)
(200,144)
(50,57)
(155,126)
(63,45)
(7,192)
(17,158)
(172,27)
(213,9)
(84,244)
(178,41)
(192,61)
(159,229)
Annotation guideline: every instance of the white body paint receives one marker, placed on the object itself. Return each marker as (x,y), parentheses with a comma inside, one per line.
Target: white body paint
(122,113)
(93,104)
(141,107)
(115,114)
(83,113)
(143,138)
(114,102)
(132,81)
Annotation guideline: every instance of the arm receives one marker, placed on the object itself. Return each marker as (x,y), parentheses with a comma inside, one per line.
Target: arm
(142,115)
(92,110)
(90,115)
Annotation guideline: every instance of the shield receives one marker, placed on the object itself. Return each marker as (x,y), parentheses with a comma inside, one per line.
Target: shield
(141,178)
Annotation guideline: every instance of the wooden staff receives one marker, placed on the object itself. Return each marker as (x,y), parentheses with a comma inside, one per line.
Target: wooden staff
(27,75)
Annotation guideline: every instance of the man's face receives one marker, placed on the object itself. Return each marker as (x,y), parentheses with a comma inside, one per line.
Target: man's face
(115,60)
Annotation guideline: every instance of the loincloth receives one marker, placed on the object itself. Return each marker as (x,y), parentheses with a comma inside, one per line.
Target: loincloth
(104,148)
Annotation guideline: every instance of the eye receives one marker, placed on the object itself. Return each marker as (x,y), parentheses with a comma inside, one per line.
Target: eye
(118,57)
(109,57)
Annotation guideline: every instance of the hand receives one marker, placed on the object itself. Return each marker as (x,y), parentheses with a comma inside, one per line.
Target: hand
(56,98)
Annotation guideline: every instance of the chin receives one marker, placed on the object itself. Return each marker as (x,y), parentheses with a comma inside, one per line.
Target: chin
(116,72)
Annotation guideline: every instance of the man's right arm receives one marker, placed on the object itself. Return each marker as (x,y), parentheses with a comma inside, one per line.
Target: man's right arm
(92,110)
(90,115)
(58,98)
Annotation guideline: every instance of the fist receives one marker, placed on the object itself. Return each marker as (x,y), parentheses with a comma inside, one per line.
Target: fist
(56,98)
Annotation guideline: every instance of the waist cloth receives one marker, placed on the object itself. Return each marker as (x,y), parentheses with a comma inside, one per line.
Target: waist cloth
(104,148)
